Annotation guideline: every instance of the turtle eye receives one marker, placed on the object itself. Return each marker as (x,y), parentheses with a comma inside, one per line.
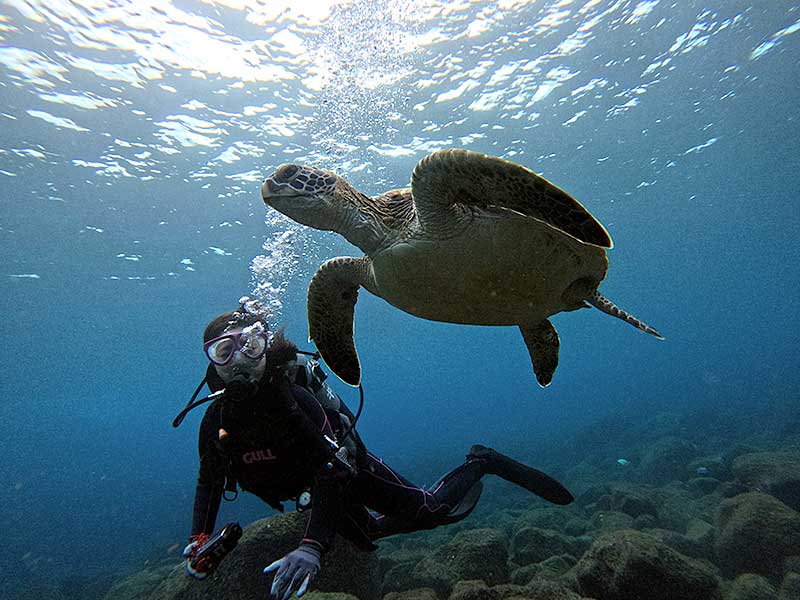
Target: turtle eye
(286,172)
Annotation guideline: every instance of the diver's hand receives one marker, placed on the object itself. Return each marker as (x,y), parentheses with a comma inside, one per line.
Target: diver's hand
(295,571)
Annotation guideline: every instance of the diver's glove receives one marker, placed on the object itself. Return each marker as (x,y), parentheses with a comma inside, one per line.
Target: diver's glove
(295,571)
(189,551)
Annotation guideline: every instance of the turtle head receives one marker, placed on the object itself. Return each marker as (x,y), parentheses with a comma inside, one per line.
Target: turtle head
(305,194)
(323,200)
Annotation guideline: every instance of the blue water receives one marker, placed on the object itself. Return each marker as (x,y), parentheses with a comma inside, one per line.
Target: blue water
(134,139)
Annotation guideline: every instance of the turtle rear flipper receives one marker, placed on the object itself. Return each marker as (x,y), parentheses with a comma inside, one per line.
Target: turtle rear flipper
(602,303)
(332,297)
(542,341)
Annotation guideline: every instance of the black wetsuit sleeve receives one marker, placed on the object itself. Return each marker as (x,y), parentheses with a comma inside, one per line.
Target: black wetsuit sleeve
(211,476)
(326,509)
(326,512)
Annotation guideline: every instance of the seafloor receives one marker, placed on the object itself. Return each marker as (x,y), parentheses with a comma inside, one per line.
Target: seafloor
(703,507)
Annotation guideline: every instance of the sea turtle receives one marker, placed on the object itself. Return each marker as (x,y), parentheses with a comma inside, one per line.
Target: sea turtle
(475,240)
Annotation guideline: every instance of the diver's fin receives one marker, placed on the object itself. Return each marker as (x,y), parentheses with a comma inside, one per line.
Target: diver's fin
(466,505)
(602,303)
(524,476)
(542,341)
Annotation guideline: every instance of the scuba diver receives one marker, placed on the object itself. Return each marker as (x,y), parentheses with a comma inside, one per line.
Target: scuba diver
(275,427)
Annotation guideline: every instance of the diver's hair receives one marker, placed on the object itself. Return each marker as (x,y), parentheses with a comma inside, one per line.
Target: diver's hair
(281,350)
(230,320)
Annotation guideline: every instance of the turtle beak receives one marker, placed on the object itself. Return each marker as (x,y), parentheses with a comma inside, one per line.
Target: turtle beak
(270,189)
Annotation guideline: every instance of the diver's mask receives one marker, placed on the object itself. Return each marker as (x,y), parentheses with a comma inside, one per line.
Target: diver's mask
(239,356)
(247,343)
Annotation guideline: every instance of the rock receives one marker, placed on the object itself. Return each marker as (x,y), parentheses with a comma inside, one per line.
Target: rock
(790,588)
(755,534)
(714,464)
(576,527)
(400,577)
(729,489)
(140,585)
(792,563)
(667,460)
(533,545)
(478,590)
(702,486)
(697,542)
(331,596)
(344,569)
(751,587)
(610,520)
(418,594)
(537,590)
(644,522)
(472,589)
(604,502)
(555,566)
(676,507)
(775,473)
(549,590)
(472,554)
(633,503)
(630,565)
(544,518)
(523,575)
(701,533)
(592,494)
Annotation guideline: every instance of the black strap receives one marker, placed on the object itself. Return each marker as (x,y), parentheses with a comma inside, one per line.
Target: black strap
(358,414)
(192,404)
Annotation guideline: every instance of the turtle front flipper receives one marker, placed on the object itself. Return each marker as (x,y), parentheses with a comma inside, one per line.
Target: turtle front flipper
(448,184)
(543,344)
(332,296)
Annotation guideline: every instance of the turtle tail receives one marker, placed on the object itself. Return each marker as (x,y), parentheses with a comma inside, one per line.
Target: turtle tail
(600,302)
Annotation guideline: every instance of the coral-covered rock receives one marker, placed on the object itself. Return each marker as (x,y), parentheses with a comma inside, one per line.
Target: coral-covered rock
(536,590)
(576,527)
(702,486)
(472,554)
(540,589)
(775,473)
(472,589)
(344,569)
(697,542)
(138,586)
(630,565)
(400,577)
(790,588)
(418,594)
(609,520)
(751,587)
(533,545)
(544,518)
(633,502)
(667,460)
(755,534)
(478,590)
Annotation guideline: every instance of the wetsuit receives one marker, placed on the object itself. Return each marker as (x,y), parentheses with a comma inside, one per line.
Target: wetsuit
(275,449)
